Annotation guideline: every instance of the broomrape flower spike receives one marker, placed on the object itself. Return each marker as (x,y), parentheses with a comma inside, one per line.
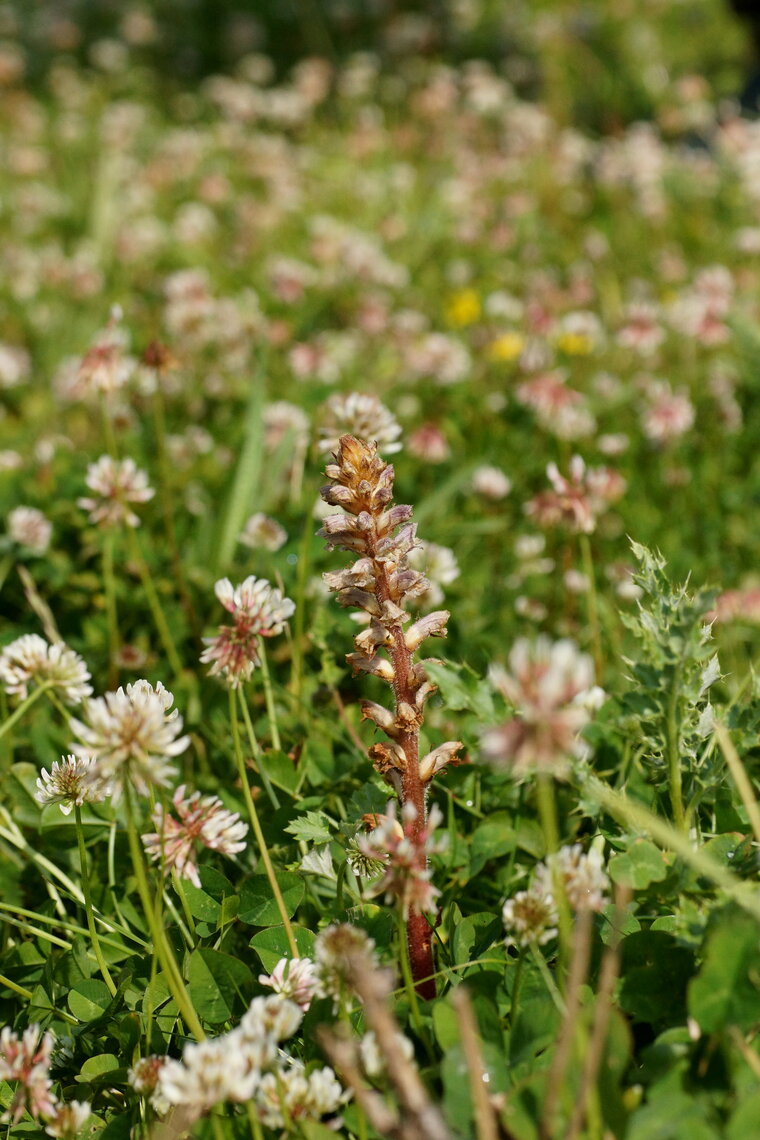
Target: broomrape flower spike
(381,583)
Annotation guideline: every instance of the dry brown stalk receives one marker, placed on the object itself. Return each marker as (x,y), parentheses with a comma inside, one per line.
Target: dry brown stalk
(486,1123)
(579,964)
(608,974)
(381,582)
(419,1118)
(343,1055)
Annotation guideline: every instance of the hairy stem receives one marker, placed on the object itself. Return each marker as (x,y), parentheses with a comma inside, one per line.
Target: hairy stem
(419,934)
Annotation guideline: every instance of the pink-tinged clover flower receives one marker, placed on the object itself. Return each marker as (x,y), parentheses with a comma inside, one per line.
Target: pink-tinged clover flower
(203,821)
(258,610)
(115,484)
(551,686)
(404,850)
(576,502)
(26,1059)
(296,979)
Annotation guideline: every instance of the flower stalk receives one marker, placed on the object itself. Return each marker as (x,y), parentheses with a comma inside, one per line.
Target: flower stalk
(381,582)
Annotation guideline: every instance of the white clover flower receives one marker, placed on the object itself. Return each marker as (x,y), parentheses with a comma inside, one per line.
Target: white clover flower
(32,660)
(275,1016)
(263,533)
(530,916)
(143,1077)
(68,783)
(131,736)
(361,416)
(294,978)
(28,527)
(26,1060)
(203,820)
(68,1119)
(491,482)
(115,484)
(373,1061)
(547,683)
(331,948)
(439,567)
(581,875)
(258,610)
(209,1073)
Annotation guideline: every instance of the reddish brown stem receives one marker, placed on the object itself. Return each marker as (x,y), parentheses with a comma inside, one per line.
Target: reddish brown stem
(418,931)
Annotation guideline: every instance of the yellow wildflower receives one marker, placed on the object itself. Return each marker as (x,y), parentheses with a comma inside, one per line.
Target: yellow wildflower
(463,308)
(508,346)
(575,343)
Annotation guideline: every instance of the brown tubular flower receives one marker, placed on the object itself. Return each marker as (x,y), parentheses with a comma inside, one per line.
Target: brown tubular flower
(380,582)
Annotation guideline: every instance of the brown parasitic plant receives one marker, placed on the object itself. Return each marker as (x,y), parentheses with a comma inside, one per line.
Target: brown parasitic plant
(381,582)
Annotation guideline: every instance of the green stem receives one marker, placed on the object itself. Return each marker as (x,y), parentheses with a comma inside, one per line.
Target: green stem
(155,605)
(160,945)
(9,985)
(17,714)
(547,810)
(112,617)
(253,1122)
(299,618)
(592,604)
(257,754)
(167,510)
(516,984)
(269,695)
(71,927)
(180,889)
(546,974)
(674,754)
(255,824)
(5,565)
(88,903)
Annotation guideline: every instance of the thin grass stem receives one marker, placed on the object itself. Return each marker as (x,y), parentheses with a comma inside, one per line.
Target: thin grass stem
(84,868)
(256,825)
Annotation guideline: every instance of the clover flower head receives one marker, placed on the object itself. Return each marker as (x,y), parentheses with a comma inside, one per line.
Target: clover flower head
(581,874)
(530,917)
(296,979)
(362,416)
(31,660)
(258,610)
(203,821)
(115,484)
(263,533)
(131,736)
(404,850)
(547,682)
(26,1060)
(69,783)
(373,1061)
(68,1120)
(30,528)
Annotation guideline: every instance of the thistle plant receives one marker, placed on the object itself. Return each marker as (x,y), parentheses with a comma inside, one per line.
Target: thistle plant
(668,705)
(381,583)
